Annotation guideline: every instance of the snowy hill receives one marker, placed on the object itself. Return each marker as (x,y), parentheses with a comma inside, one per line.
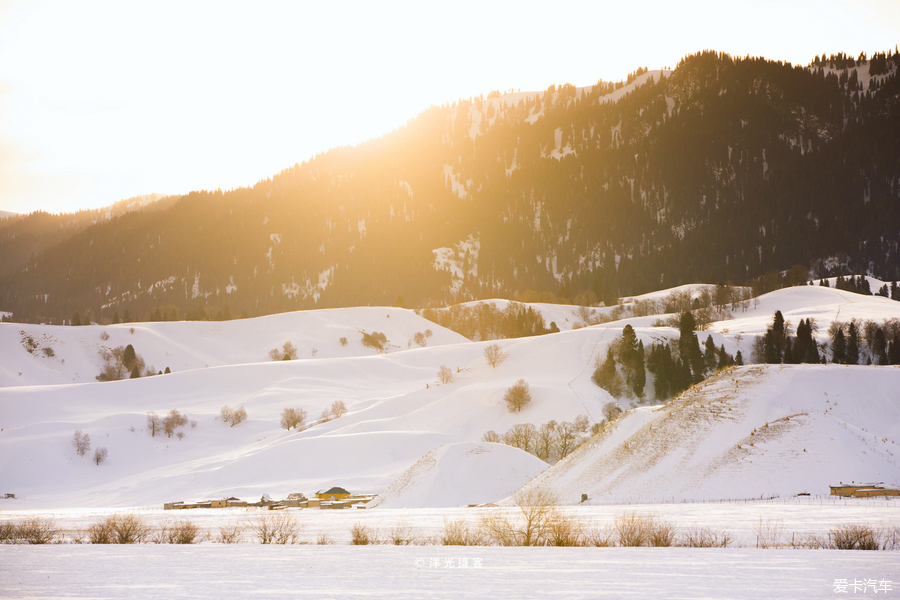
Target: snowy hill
(74,354)
(460,475)
(752,432)
(400,414)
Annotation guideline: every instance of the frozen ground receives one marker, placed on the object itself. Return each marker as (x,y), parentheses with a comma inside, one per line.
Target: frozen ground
(216,572)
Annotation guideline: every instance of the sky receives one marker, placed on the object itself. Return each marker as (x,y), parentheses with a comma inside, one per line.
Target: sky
(102,101)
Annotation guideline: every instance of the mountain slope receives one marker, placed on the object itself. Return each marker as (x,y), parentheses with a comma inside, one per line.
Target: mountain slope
(721,170)
(756,431)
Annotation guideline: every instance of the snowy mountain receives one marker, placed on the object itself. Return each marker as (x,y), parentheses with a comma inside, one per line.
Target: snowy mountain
(723,170)
(417,438)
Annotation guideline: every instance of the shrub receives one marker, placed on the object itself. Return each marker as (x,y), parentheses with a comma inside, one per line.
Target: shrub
(661,534)
(338,409)
(517,396)
(598,536)
(445,375)
(231,534)
(182,532)
(362,535)
(173,421)
(233,415)
(632,529)
(9,532)
(37,530)
(323,539)
(343,341)
(855,537)
(375,340)
(293,418)
(278,528)
(100,455)
(705,537)
(530,527)
(403,535)
(494,355)
(119,529)
(564,530)
(287,352)
(768,533)
(457,533)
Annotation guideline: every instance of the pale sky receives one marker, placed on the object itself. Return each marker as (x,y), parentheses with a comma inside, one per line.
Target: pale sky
(101,101)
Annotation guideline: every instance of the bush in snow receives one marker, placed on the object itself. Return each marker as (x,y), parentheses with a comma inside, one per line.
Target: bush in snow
(119,529)
(233,415)
(287,352)
(36,530)
(278,528)
(362,535)
(517,396)
(445,375)
(293,418)
(173,421)
(376,340)
(100,455)
(855,537)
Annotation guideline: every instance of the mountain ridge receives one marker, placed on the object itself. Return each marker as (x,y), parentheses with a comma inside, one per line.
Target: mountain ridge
(724,170)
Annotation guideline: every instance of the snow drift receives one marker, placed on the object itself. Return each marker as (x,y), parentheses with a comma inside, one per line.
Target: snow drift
(460,475)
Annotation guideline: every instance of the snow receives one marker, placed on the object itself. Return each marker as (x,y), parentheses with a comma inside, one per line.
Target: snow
(191,345)
(756,431)
(217,572)
(461,474)
(694,448)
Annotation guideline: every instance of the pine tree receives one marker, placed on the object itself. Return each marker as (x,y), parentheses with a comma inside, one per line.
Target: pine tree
(839,347)
(129,357)
(879,348)
(852,345)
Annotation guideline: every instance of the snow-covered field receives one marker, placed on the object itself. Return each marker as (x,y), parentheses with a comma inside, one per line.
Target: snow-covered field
(217,572)
(749,433)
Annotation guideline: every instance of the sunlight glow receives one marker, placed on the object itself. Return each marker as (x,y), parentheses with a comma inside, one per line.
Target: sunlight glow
(100,101)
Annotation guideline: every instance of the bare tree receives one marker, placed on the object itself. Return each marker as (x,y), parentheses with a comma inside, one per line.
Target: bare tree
(173,421)
(611,411)
(521,436)
(494,355)
(491,436)
(293,418)
(530,528)
(517,396)
(546,436)
(100,455)
(154,423)
(445,375)
(81,442)
(566,437)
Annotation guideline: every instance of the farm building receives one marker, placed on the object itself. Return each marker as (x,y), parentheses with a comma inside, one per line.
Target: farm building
(863,490)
